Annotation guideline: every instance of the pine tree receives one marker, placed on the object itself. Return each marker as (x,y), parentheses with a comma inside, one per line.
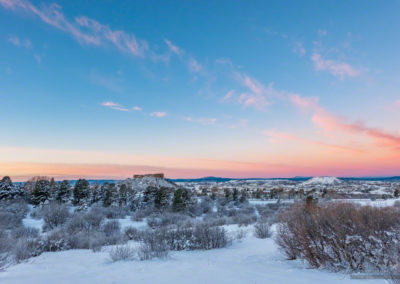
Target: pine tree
(110,194)
(41,192)
(81,192)
(149,195)
(7,190)
(182,200)
(63,191)
(96,194)
(235,194)
(161,199)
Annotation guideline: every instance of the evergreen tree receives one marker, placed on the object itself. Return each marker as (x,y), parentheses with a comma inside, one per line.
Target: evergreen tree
(149,195)
(7,189)
(110,194)
(63,191)
(41,192)
(81,192)
(96,194)
(161,199)
(182,200)
(235,194)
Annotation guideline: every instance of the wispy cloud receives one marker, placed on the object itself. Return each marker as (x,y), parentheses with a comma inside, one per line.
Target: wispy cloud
(114,106)
(228,96)
(20,42)
(298,47)
(174,48)
(336,68)
(83,29)
(259,95)
(158,114)
(137,108)
(194,65)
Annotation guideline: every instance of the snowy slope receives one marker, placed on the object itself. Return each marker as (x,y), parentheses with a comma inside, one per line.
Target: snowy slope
(323,181)
(249,261)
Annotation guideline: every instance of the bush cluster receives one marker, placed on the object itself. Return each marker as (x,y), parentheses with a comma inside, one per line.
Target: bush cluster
(341,236)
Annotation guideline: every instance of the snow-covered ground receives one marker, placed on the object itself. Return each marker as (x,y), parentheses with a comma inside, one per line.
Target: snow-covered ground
(250,260)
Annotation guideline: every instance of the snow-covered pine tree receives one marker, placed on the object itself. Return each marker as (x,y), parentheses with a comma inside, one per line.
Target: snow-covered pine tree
(182,200)
(81,192)
(7,189)
(41,192)
(162,198)
(63,192)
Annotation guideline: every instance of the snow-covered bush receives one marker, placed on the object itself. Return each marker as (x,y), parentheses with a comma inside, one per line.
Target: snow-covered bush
(123,252)
(154,244)
(341,235)
(131,233)
(9,220)
(24,232)
(54,215)
(26,248)
(84,222)
(56,240)
(243,219)
(208,237)
(262,230)
(111,227)
(240,234)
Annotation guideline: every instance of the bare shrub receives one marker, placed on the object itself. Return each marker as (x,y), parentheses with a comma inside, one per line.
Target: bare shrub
(115,212)
(9,220)
(5,248)
(84,222)
(24,232)
(154,244)
(124,252)
(241,234)
(207,237)
(131,233)
(56,240)
(341,235)
(146,251)
(111,227)
(26,248)
(17,207)
(262,230)
(244,219)
(54,215)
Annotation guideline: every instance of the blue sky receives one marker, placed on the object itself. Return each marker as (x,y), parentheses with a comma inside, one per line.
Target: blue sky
(235,88)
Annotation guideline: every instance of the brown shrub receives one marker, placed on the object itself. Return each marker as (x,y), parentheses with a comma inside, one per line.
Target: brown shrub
(341,235)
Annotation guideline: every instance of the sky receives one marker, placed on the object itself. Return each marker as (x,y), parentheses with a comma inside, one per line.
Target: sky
(108,89)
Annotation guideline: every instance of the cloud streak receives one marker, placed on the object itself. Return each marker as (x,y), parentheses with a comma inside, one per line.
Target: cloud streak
(336,68)
(83,29)
(114,106)
(158,114)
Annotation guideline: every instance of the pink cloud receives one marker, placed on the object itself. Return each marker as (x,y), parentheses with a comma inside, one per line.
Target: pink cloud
(338,69)
(114,106)
(331,123)
(158,114)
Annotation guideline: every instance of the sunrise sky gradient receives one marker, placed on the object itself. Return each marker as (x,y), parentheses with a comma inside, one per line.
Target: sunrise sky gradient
(106,89)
